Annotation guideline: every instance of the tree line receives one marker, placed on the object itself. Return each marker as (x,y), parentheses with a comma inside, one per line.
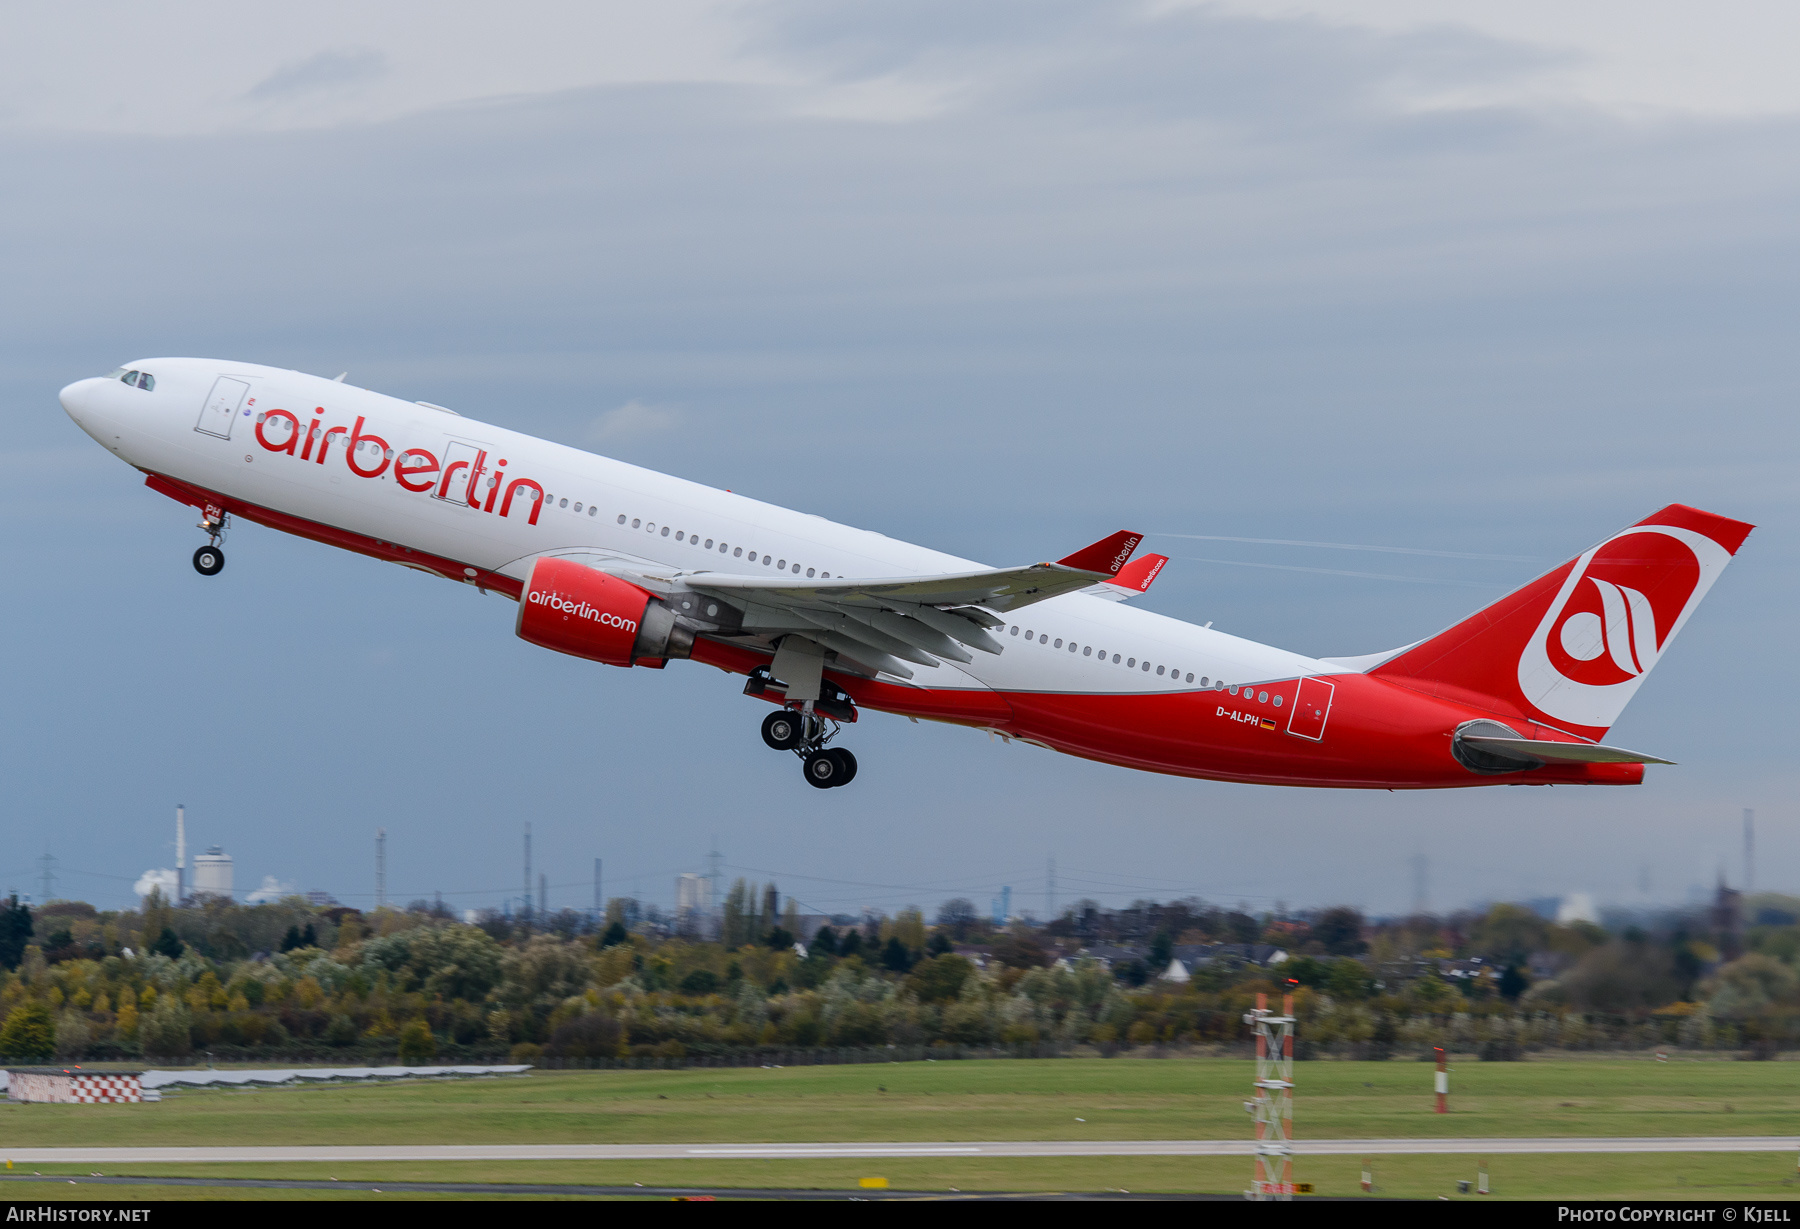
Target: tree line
(287,980)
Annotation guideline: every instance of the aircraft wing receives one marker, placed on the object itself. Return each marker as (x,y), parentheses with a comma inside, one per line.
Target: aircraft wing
(1000,589)
(1565,753)
(885,622)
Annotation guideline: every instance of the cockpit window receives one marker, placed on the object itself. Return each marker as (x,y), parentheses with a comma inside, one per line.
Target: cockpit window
(115,373)
(138,379)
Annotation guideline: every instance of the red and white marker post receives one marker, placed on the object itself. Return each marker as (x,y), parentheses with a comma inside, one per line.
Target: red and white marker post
(1442,1082)
(1273,1109)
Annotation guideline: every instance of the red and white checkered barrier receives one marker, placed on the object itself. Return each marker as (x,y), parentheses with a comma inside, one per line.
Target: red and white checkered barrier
(74,1088)
(91,1089)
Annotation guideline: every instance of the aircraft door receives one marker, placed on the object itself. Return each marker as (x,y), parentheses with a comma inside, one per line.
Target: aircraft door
(221,408)
(465,472)
(1312,705)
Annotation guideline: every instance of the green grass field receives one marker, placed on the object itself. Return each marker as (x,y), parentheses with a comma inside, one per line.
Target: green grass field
(997,1100)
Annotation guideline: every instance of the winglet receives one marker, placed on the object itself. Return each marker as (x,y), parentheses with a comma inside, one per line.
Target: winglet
(1138,574)
(1106,556)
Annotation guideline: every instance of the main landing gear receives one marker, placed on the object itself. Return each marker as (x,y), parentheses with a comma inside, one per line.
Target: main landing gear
(805,734)
(209,560)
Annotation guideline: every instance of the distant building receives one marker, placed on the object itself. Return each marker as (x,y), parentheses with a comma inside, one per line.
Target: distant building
(977,954)
(810,925)
(212,873)
(1109,955)
(1545,966)
(1185,958)
(1471,969)
(693,894)
(1199,955)
(1727,920)
(1577,907)
(320,900)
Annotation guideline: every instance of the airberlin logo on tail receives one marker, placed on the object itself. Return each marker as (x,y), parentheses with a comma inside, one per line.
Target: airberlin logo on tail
(1613,615)
(581,610)
(1619,639)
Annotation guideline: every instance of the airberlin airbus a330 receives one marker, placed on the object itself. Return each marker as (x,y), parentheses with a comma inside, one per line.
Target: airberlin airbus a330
(629,567)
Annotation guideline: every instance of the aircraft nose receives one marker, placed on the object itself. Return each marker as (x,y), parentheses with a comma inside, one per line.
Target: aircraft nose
(74,396)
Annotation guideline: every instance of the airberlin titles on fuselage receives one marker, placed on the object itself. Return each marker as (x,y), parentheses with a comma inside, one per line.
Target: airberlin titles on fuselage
(410,465)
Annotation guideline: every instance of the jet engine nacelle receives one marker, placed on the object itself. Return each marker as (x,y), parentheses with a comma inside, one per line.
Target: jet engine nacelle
(587,613)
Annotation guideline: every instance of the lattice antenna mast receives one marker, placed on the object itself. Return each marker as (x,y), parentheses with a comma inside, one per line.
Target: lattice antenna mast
(1273,1109)
(713,861)
(1749,852)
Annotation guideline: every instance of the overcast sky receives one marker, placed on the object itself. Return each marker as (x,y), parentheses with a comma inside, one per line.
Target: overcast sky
(1490,281)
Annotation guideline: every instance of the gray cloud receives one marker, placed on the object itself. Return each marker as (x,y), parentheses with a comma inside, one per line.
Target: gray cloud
(1211,275)
(1143,64)
(325,71)
(632,420)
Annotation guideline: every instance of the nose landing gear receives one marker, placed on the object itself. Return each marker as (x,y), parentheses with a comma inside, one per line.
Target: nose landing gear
(209,560)
(805,735)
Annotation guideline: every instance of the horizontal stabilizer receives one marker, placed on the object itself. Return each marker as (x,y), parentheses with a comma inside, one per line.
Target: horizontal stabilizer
(1561,753)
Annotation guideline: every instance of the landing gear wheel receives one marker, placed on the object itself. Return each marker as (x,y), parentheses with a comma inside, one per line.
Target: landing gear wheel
(824,770)
(780,729)
(846,763)
(209,561)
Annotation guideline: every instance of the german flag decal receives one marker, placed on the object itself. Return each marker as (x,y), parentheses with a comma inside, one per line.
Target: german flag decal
(1267,723)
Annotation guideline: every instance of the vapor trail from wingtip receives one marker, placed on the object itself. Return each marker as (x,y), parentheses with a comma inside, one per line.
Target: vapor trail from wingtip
(1289,567)
(1390,550)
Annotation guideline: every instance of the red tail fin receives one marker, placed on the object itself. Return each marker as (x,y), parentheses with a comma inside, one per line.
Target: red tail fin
(1571,648)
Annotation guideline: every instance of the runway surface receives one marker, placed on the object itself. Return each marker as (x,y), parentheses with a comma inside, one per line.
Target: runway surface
(564,1191)
(830,1151)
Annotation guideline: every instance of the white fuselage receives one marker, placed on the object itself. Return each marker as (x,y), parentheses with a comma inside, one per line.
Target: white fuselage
(597,506)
